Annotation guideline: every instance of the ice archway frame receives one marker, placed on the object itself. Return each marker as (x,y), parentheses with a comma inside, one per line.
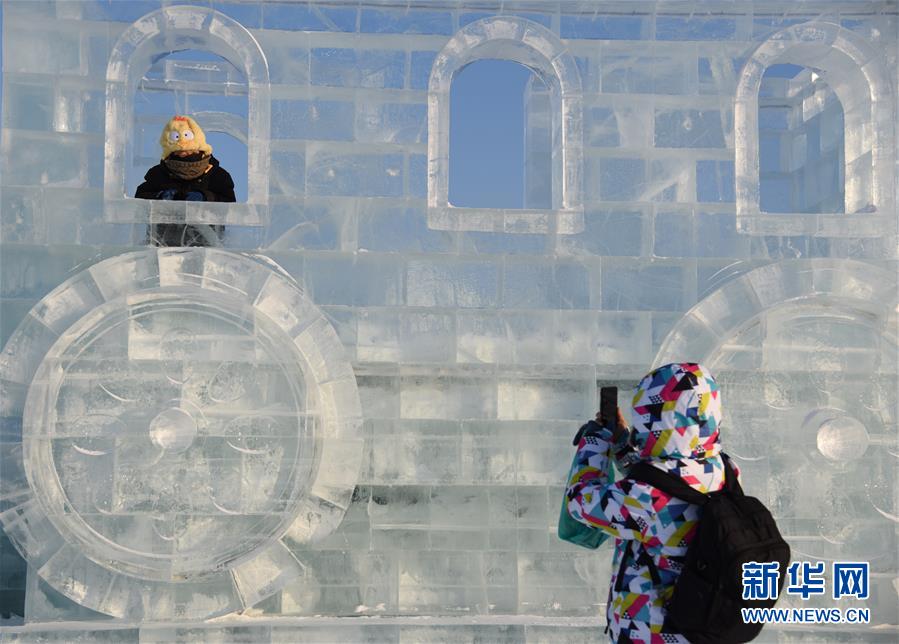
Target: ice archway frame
(161,32)
(534,46)
(855,71)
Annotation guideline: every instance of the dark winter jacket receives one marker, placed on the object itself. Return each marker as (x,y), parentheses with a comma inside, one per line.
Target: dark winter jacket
(215,185)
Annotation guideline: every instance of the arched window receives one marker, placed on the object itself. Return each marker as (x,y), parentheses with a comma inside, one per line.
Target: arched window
(191,82)
(174,53)
(838,60)
(532,45)
(500,137)
(801,143)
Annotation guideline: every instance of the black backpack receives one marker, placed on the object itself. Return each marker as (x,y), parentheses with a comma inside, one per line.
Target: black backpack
(733,529)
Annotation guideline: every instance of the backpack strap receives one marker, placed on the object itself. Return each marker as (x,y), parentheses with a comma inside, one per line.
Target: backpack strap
(643,558)
(667,482)
(731,483)
(619,580)
(674,485)
(670,484)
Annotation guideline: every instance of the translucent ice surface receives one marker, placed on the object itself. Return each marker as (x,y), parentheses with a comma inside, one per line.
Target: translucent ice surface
(181,425)
(351,420)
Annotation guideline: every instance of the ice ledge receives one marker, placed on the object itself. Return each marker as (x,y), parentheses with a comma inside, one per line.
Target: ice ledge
(144,211)
(247,620)
(501,220)
(820,225)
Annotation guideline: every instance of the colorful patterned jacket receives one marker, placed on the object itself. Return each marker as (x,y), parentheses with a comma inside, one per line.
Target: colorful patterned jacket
(675,420)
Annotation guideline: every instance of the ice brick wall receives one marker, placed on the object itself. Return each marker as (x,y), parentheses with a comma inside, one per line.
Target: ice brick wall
(476,339)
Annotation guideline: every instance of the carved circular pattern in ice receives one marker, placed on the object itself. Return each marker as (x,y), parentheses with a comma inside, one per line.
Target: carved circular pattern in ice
(173,429)
(805,352)
(842,438)
(186,416)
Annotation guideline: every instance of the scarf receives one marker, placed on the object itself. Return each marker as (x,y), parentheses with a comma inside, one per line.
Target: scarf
(189,167)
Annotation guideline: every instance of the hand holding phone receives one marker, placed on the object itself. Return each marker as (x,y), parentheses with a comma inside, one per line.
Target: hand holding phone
(609,414)
(608,407)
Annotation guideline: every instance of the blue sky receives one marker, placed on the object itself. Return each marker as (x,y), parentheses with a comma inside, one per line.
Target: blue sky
(487,134)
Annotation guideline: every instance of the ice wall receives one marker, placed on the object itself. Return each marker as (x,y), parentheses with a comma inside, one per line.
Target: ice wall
(361,405)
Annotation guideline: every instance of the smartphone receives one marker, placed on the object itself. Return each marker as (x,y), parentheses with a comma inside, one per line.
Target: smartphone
(608,406)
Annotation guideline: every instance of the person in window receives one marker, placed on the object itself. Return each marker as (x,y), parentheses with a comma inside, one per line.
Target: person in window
(187,172)
(676,414)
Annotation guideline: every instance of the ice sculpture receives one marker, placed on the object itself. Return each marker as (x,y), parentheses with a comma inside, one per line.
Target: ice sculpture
(361,405)
(808,347)
(186,417)
(159,33)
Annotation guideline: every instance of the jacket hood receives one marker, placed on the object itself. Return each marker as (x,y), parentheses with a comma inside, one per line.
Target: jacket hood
(676,413)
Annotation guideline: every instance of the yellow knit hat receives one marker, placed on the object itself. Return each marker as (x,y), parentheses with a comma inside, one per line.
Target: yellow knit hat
(183,133)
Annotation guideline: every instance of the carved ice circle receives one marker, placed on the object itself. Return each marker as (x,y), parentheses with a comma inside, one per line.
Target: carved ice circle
(805,352)
(188,423)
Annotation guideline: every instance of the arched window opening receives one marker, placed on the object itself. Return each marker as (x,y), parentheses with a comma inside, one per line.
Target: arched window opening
(191,82)
(196,61)
(499,137)
(556,209)
(814,135)
(801,142)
